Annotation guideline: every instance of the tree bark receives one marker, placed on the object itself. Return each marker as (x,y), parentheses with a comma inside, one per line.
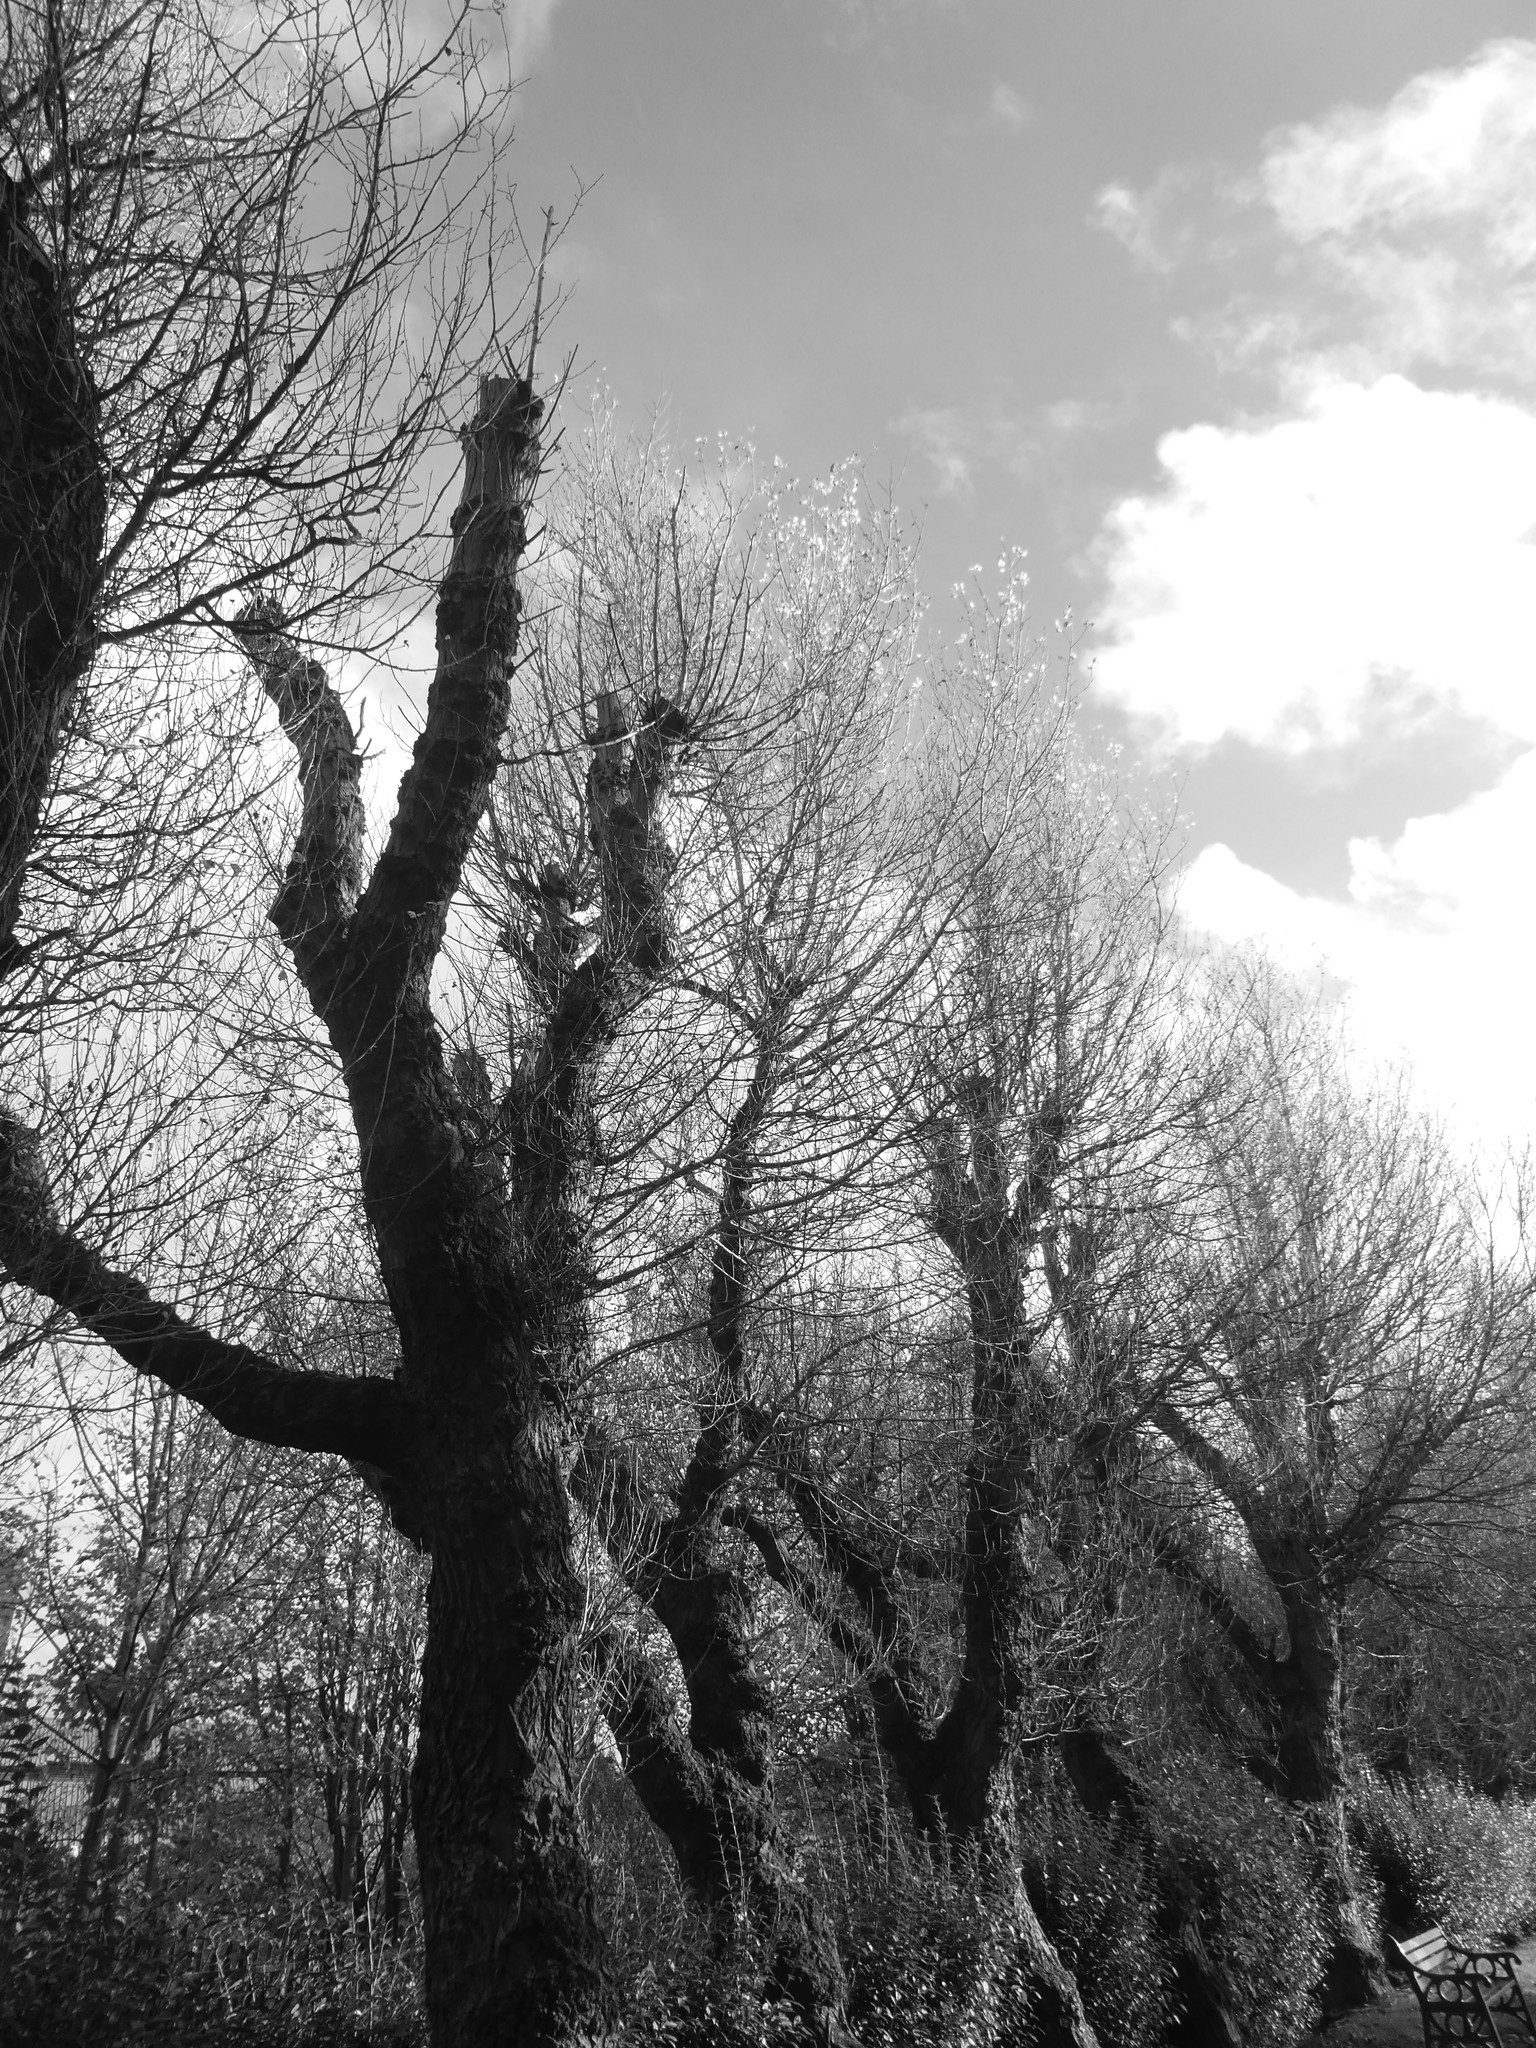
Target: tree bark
(467,1445)
(513,1955)
(1303,1690)
(52,527)
(1308,1695)
(719,1817)
(724,1833)
(1109,1787)
(958,1773)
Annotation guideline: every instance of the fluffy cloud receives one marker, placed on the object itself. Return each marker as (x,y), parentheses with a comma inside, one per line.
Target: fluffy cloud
(1436,947)
(1010,109)
(1423,214)
(1366,539)
(948,441)
(1285,570)
(1400,237)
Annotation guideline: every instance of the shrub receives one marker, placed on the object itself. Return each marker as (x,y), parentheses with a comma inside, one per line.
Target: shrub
(931,1957)
(1442,1852)
(284,1979)
(1097,1901)
(1258,1913)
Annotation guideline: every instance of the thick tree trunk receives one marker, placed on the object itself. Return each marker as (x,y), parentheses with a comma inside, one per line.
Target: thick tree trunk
(52,523)
(724,1834)
(706,1609)
(709,1789)
(512,1946)
(717,1807)
(1308,1696)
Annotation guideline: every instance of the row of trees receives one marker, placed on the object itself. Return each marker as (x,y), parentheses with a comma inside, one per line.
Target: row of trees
(744,1169)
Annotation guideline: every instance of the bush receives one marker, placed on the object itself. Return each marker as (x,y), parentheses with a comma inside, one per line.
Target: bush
(1257,1910)
(931,1957)
(1097,1901)
(1442,1852)
(280,1980)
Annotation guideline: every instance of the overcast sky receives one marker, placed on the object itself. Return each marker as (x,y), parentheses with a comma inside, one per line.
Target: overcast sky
(1225,310)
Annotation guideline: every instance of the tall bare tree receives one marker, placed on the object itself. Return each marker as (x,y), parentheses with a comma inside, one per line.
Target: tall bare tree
(209,390)
(1354,1342)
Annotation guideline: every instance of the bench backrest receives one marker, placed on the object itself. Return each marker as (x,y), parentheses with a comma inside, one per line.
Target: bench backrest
(1427,1951)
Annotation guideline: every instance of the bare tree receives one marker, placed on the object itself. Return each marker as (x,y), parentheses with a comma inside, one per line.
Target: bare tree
(1354,1338)
(1026,1065)
(223,326)
(785,893)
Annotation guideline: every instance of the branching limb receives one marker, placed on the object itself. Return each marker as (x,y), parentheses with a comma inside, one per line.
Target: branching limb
(361,1419)
(1205,1456)
(325,869)
(1178,1559)
(443,793)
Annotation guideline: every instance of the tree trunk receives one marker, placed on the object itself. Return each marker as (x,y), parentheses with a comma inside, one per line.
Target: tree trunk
(511,1941)
(52,522)
(723,1830)
(1308,1695)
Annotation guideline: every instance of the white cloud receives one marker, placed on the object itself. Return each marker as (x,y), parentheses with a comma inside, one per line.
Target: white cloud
(947,440)
(1286,570)
(1452,147)
(1141,221)
(1397,237)
(1436,946)
(526,25)
(1010,109)
(1370,541)
(1423,213)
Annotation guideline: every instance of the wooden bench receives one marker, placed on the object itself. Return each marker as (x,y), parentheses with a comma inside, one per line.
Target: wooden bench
(1466,1994)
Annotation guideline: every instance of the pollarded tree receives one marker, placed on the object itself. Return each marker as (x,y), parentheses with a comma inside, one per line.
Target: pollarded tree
(1354,1335)
(1029,1080)
(726,1087)
(199,343)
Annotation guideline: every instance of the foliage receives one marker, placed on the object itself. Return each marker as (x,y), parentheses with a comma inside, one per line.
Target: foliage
(1259,1916)
(1443,1852)
(1096,1896)
(206,1979)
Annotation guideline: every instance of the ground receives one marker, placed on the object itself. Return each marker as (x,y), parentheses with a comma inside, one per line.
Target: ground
(1395,2023)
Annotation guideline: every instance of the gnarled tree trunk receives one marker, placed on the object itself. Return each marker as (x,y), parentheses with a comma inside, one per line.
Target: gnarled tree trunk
(1306,1686)
(52,523)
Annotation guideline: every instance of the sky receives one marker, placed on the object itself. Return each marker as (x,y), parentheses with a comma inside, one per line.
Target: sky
(1226,313)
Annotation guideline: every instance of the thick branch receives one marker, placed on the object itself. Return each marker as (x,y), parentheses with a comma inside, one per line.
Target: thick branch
(720,1414)
(700,1597)
(659,1760)
(814,1599)
(387,937)
(1180,1562)
(362,1419)
(325,869)
(633,1531)
(1212,1463)
(863,1575)
(444,791)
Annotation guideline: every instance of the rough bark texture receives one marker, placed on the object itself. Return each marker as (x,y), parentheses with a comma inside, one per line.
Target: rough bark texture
(957,1769)
(724,1834)
(1303,1688)
(468,1443)
(1307,1690)
(711,1792)
(512,1952)
(1108,1785)
(364,1419)
(52,522)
